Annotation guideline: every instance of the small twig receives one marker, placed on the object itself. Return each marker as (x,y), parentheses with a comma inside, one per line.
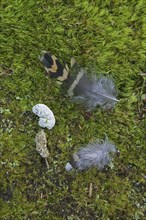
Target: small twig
(142,74)
(90,189)
(41,195)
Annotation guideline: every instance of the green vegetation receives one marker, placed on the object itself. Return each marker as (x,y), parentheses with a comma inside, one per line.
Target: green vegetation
(109,36)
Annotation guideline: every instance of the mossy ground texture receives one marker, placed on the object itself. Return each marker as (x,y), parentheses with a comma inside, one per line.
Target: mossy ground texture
(107,35)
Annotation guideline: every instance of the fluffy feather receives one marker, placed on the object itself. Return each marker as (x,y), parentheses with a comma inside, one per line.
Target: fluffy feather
(94,154)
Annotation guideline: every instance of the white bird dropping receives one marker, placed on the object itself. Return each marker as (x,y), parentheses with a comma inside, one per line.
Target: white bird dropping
(46,116)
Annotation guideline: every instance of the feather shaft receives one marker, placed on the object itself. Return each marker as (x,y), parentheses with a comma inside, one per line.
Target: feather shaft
(101,94)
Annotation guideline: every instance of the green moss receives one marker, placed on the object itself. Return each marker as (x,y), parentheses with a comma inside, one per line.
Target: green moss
(108,36)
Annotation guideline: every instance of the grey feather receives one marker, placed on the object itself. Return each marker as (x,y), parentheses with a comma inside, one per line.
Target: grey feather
(93,90)
(94,154)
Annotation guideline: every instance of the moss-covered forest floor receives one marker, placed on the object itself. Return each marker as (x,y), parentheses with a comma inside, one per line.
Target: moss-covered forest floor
(107,35)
